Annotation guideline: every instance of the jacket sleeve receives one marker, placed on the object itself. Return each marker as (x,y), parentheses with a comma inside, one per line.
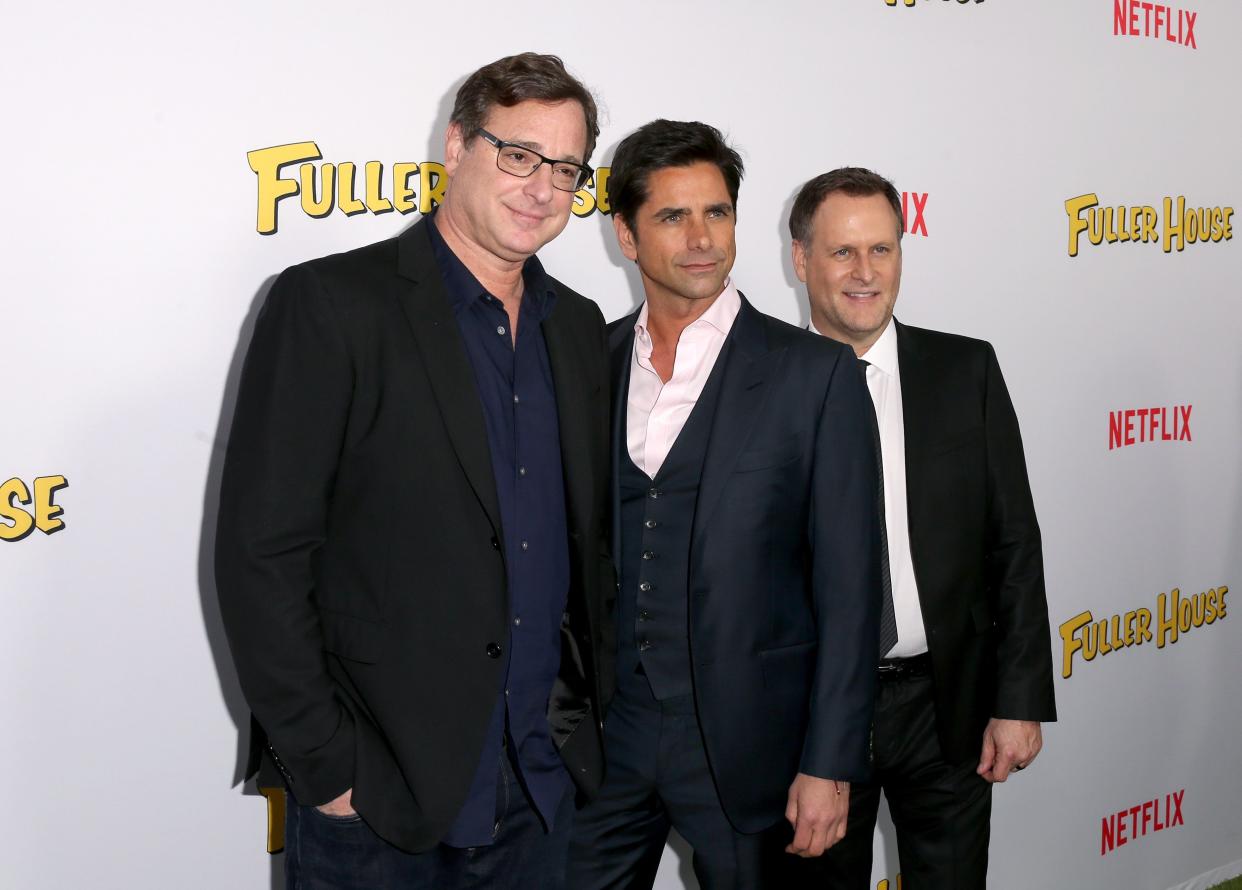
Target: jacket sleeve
(276,491)
(1014,565)
(844,530)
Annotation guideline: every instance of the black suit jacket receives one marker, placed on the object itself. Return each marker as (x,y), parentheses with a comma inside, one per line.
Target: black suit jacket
(359,558)
(974,539)
(783,564)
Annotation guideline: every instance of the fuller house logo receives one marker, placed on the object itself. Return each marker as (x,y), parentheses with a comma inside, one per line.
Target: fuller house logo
(1139,18)
(402,187)
(23,509)
(1135,426)
(912,2)
(1175,614)
(1140,820)
(1179,225)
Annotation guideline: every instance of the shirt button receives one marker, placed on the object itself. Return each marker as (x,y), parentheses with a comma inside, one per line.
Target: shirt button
(516,399)
(517,619)
(494,650)
(500,329)
(651,523)
(521,471)
(644,645)
(644,615)
(495,543)
(653,493)
(647,554)
(644,586)
(525,545)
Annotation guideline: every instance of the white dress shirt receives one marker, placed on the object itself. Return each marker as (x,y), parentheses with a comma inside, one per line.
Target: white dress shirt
(884,383)
(656,411)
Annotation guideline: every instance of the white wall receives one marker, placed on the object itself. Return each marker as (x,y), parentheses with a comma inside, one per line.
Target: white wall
(133,268)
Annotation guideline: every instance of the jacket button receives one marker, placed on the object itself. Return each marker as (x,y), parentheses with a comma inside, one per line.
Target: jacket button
(647,554)
(495,543)
(644,586)
(494,650)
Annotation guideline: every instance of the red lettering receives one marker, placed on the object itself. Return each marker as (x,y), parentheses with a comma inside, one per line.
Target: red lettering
(1190,30)
(1108,837)
(1165,433)
(1119,17)
(1148,806)
(1121,828)
(919,206)
(1151,423)
(1114,430)
(1142,416)
(1177,804)
(1146,19)
(1130,426)
(1185,412)
(1161,826)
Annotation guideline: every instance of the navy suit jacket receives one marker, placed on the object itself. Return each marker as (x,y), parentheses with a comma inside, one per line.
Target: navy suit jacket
(783,564)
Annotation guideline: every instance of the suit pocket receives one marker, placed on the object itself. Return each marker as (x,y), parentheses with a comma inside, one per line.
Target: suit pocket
(765,458)
(789,666)
(354,638)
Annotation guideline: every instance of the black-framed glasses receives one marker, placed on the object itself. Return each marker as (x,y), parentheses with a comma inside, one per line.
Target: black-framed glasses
(518,160)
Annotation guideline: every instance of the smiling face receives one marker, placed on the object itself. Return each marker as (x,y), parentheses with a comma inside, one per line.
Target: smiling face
(506,216)
(851,267)
(682,235)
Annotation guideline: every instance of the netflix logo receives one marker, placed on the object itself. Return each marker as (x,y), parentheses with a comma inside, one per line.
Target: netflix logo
(915,202)
(1135,426)
(1138,18)
(1148,817)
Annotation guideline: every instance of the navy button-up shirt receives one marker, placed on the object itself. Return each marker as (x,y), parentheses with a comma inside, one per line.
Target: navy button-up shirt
(514,382)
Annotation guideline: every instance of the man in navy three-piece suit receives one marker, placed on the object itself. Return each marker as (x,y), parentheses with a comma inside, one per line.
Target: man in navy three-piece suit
(746,536)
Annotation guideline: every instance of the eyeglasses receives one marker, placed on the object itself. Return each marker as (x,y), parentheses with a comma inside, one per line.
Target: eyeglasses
(517,160)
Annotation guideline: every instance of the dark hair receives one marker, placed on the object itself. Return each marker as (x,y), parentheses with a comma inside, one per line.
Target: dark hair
(661,144)
(515,79)
(857,182)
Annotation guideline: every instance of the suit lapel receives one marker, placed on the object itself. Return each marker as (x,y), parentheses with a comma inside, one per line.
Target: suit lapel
(620,350)
(917,403)
(742,391)
(429,312)
(573,412)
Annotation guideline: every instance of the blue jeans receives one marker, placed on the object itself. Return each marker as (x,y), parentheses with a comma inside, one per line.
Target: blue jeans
(343,853)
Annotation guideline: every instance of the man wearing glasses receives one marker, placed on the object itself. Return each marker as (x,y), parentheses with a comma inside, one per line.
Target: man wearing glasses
(410,561)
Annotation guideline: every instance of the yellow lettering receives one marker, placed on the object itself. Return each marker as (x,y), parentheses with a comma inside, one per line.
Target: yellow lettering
(431,184)
(584,202)
(401,191)
(1077,225)
(1144,626)
(601,190)
(376,202)
(321,206)
(345,197)
(1174,226)
(1228,227)
(23,523)
(1220,607)
(46,509)
(1166,625)
(267,163)
(1150,218)
(1071,641)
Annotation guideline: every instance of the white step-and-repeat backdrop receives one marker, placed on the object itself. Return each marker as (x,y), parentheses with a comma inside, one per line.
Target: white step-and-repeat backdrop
(1070,169)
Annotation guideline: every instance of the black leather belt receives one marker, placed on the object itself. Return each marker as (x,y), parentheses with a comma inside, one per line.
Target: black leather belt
(903,668)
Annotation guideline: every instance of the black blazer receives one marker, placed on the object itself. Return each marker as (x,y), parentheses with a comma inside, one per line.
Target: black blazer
(784,590)
(974,539)
(359,559)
